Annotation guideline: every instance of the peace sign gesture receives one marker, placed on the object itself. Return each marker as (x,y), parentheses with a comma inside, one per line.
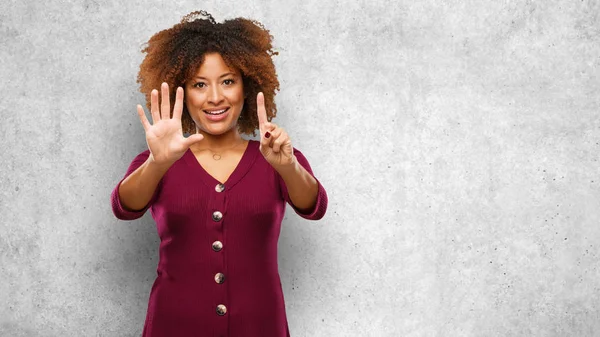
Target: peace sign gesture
(275,144)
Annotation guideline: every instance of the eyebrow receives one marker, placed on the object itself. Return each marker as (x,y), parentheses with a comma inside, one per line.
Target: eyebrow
(226,74)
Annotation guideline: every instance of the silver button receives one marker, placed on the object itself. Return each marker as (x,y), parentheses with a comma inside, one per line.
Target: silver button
(219,188)
(221,309)
(217,216)
(217,246)
(219,278)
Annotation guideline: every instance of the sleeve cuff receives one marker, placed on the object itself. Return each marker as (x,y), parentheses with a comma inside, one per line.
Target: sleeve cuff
(120,211)
(318,210)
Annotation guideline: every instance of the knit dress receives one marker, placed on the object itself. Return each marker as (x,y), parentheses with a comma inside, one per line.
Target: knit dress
(217,273)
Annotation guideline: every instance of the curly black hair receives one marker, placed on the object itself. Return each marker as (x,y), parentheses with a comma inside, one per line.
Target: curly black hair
(174,56)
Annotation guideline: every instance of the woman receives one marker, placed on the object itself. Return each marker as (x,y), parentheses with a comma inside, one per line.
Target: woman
(218,199)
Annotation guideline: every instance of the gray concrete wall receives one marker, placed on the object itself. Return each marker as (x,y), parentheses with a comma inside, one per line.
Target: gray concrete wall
(458,142)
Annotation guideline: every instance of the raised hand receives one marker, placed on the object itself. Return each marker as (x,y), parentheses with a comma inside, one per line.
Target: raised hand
(165,136)
(275,144)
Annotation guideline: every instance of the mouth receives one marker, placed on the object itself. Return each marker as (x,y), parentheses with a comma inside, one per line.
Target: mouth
(216,115)
(216,112)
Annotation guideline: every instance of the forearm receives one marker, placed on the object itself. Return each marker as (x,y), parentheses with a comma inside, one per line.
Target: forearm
(302,187)
(138,188)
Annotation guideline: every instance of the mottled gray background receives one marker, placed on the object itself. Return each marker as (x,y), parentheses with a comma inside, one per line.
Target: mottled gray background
(458,142)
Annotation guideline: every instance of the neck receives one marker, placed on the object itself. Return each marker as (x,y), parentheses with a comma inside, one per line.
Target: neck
(218,142)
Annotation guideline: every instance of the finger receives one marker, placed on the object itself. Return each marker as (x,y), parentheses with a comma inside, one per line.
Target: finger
(264,140)
(154,106)
(275,134)
(270,126)
(190,140)
(143,118)
(283,137)
(262,113)
(165,109)
(178,107)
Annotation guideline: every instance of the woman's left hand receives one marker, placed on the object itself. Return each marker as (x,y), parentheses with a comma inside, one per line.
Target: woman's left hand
(277,146)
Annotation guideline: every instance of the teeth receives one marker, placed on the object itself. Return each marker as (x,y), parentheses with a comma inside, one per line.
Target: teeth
(216,112)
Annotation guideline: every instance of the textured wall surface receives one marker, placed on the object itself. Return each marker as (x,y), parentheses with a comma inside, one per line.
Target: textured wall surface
(458,142)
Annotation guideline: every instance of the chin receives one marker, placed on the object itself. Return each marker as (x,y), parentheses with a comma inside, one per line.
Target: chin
(217,130)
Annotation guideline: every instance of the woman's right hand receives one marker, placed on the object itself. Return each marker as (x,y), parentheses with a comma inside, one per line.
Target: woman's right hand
(165,136)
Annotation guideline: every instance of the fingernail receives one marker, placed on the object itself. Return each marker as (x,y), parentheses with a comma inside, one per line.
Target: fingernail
(268,134)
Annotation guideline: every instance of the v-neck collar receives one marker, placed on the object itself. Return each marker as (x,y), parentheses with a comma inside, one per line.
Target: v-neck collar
(238,173)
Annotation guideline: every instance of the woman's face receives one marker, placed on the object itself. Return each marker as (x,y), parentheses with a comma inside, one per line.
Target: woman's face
(215,87)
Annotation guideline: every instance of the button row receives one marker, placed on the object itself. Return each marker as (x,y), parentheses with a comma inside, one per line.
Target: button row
(217,246)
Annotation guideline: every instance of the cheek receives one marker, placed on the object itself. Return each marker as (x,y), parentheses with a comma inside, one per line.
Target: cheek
(241,97)
(193,99)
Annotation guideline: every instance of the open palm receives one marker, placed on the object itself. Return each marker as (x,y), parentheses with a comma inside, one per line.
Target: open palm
(165,136)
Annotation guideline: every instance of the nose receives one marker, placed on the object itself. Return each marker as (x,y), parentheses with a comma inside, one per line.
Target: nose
(215,95)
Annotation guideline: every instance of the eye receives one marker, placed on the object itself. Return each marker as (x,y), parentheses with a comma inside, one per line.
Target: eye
(196,85)
(230,80)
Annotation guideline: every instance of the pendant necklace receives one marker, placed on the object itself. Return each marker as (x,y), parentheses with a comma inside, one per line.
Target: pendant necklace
(217,155)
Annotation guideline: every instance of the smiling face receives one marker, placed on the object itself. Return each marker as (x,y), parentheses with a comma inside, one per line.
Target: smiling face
(215,96)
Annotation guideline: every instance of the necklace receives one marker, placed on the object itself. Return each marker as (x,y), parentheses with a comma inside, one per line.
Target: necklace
(217,155)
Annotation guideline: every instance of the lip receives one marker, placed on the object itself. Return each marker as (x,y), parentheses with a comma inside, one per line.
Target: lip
(216,109)
(216,118)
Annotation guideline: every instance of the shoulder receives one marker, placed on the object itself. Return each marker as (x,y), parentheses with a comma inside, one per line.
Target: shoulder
(143,155)
(140,158)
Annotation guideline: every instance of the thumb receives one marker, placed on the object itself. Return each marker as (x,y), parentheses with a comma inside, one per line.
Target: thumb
(195,138)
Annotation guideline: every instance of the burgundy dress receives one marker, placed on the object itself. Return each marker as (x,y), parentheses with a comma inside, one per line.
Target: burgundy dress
(217,273)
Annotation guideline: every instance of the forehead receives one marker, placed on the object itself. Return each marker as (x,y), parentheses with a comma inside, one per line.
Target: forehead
(214,65)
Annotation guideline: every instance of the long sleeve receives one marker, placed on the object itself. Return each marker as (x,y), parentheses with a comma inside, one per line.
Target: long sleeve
(320,207)
(117,207)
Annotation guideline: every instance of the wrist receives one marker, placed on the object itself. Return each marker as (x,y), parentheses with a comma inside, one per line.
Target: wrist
(153,165)
(288,169)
